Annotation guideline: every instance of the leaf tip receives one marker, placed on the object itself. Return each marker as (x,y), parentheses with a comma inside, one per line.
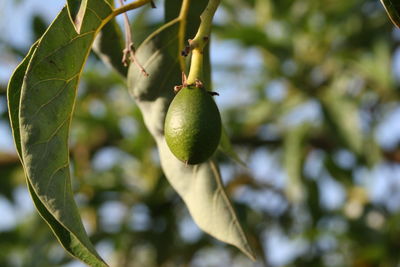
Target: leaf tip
(76,11)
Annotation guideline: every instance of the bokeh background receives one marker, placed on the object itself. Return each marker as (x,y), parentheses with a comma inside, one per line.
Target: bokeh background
(309,93)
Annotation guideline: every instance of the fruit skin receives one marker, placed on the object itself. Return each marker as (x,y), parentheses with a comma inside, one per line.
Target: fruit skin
(193,125)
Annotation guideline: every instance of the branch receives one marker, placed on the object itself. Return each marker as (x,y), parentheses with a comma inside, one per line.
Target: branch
(129,51)
(129,6)
(200,40)
(182,31)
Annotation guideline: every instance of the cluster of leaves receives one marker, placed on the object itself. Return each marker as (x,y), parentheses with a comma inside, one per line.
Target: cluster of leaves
(334,57)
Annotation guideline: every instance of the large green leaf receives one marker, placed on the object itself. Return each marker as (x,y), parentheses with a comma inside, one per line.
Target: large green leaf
(41,97)
(199,186)
(393,10)
(66,238)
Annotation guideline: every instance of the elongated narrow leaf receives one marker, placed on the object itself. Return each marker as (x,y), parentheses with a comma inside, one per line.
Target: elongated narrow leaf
(66,238)
(392,8)
(76,12)
(343,117)
(226,147)
(41,99)
(199,186)
(293,158)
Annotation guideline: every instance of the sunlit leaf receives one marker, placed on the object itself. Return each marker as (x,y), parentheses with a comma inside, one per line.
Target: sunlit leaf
(41,98)
(66,238)
(377,66)
(292,160)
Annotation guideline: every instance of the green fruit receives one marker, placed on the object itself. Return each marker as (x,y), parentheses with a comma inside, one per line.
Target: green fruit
(193,125)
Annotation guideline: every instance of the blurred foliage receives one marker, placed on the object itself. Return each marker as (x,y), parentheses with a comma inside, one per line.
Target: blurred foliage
(311,86)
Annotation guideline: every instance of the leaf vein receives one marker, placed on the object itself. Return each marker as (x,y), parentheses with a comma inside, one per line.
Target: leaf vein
(54,97)
(48,80)
(54,133)
(95,13)
(65,165)
(61,47)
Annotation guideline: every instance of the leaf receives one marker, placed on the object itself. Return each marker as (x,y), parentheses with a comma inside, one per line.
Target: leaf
(76,12)
(343,117)
(38,25)
(109,45)
(14,95)
(199,186)
(226,147)
(392,8)
(41,96)
(68,240)
(292,160)
(377,66)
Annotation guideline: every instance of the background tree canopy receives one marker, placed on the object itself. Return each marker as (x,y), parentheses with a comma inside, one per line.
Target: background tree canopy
(309,95)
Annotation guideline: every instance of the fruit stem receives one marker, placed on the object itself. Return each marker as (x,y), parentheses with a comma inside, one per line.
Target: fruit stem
(196,66)
(200,40)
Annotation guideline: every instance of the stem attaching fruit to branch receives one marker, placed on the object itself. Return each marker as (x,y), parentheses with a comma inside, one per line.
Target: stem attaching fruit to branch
(198,43)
